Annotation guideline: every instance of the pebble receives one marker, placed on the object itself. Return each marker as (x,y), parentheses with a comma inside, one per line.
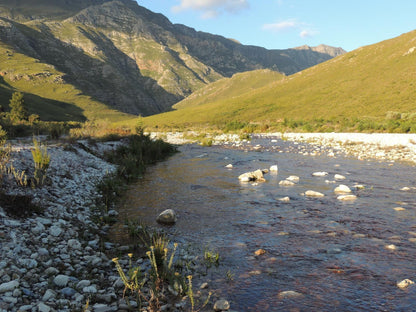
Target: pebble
(342,189)
(286,183)
(405,283)
(347,197)
(311,193)
(289,294)
(9,286)
(339,177)
(320,174)
(61,280)
(221,305)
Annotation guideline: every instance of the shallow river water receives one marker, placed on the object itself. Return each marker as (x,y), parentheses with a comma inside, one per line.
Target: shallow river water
(337,256)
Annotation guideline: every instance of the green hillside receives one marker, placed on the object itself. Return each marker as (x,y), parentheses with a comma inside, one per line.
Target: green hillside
(46,92)
(367,84)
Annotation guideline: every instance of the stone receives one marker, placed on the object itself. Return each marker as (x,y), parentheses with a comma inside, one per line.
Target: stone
(320,174)
(55,230)
(51,271)
(229,166)
(28,263)
(293,178)
(257,175)
(342,189)
(90,289)
(221,305)
(289,294)
(347,197)
(74,244)
(339,177)
(260,252)
(274,168)
(286,183)
(9,286)
(399,209)
(311,193)
(83,283)
(284,199)
(61,280)
(49,294)
(100,307)
(167,217)
(68,292)
(391,247)
(43,307)
(405,283)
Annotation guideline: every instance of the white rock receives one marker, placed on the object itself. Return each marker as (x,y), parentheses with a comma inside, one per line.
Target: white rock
(90,289)
(320,174)
(405,188)
(229,166)
(83,283)
(293,178)
(347,197)
(399,209)
(405,283)
(289,294)
(55,230)
(61,280)
(391,247)
(99,307)
(167,217)
(43,307)
(221,305)
(286,183)
(342,189)
(285,199)
(74,244)
(314,194)
(274,168)
(9,286)
(49,294)
(339,177)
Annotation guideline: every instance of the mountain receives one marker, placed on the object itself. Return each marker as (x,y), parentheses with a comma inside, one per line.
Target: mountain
(124,56)
(371,84)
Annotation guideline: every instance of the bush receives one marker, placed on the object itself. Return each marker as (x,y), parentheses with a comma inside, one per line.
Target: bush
(41,161)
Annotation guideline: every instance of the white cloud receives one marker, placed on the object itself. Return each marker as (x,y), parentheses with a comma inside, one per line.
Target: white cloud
(282,26)
(211,8)
(291,25)
(308,33)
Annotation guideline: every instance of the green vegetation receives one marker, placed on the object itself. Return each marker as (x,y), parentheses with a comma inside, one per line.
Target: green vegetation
(41,160)
(18,110)
(352,92)
(131,160)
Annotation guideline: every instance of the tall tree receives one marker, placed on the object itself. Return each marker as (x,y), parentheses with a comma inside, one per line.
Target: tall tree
(18,110)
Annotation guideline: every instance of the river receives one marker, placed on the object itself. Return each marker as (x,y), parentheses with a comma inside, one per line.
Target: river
(336,256)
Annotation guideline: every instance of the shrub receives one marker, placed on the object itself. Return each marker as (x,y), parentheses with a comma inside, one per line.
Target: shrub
(18,110)
(41,161)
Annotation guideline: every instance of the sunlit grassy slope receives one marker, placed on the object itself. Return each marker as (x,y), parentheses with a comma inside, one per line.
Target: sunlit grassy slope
(365,83)
(46,92)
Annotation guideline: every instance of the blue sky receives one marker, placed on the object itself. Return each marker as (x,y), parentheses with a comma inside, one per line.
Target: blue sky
(281,24)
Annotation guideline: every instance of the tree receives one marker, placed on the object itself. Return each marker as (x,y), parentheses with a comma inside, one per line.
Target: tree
(18,110)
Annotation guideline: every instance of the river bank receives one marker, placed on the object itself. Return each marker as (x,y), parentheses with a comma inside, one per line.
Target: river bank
(57,260)
(382,146)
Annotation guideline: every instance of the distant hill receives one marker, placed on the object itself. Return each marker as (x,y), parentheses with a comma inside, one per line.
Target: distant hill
(373,83)
(123,56)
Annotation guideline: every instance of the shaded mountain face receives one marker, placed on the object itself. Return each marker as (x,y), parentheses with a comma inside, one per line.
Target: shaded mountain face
(130,58)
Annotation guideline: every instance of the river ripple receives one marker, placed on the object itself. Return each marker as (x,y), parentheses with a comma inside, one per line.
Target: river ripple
(333,253)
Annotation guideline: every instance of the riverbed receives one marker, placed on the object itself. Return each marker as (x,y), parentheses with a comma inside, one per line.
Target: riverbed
(317,253)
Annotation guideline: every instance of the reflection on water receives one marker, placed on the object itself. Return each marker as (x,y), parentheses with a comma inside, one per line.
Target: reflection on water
(334,253)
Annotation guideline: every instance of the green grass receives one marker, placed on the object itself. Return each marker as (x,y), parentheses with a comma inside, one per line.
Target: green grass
(362,85)
(46,92)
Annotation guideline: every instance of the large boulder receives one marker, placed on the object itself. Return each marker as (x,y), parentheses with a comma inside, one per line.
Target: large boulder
(167,217)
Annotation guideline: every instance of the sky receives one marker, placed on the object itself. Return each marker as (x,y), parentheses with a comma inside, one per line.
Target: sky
(282,24)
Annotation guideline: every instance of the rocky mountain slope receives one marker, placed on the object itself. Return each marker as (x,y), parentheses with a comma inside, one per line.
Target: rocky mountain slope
(128,57)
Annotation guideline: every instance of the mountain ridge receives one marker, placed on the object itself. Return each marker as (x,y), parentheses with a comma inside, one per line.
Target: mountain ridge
(129,58)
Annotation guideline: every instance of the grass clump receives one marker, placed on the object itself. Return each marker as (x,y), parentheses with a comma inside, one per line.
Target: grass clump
(41,160)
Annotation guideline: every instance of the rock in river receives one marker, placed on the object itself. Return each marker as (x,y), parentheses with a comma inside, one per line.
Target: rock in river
(253,176)
(314,194)
(167,217)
